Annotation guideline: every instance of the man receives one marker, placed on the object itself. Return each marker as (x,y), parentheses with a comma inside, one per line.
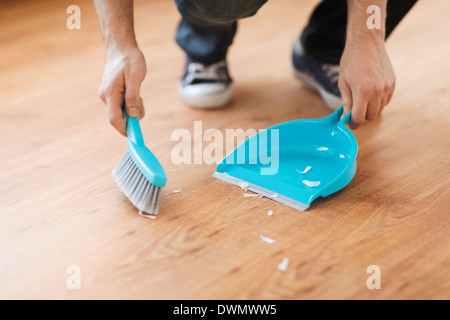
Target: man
(337,54)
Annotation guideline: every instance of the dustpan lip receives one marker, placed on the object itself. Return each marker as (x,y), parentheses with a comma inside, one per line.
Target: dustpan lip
(261,191)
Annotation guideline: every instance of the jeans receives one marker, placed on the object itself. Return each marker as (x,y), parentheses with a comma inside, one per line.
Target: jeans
(207,27)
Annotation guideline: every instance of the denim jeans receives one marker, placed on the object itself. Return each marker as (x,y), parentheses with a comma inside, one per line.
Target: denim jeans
(207,27)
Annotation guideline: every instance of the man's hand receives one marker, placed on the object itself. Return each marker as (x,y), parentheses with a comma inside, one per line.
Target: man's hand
(366,77)
(366,81)
(124,72)
(125,64)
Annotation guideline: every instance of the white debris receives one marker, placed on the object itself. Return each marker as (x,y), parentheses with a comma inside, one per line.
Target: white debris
(304,171)
(272,196)
(146,215)
(249,195)
(244,185)
(311,183)
(268,240)
(174,191)
(270,212)
(283,264)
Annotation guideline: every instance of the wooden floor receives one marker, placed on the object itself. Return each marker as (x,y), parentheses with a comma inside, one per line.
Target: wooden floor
(60,207)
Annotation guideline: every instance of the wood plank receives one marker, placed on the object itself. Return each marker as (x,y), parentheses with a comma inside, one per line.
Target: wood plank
(61,207)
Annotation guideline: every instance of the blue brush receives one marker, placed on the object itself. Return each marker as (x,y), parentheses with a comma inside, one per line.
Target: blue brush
(139,174)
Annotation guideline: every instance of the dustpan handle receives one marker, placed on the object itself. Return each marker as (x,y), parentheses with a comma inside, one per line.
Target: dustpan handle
(346,119)
(134,132)
(342,120)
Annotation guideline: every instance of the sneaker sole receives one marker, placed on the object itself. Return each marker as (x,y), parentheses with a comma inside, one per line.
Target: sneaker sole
(333,102)
(209,101)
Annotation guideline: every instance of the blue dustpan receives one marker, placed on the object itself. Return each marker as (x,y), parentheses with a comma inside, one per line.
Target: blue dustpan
(295,162)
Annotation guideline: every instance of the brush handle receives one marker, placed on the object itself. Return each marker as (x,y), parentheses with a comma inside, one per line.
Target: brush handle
(142,157)
(134,132)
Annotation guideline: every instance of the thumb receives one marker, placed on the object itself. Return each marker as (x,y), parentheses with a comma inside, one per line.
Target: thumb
(132,98)
(346,94)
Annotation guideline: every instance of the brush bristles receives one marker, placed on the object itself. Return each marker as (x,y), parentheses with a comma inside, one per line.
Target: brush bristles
(141,193)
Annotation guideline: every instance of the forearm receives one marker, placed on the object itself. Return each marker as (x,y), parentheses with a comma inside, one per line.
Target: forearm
(116,22)
(357,30)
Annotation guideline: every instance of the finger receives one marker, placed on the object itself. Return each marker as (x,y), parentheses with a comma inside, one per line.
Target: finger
(359,108)
(373,109)
(142,109)
(132,97)
(346,96)
(389,98)
(384,102)
(115,112)
(391,91)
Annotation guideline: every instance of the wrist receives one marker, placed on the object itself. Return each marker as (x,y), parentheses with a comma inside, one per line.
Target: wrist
(120,44)
(365,40)
(359,29)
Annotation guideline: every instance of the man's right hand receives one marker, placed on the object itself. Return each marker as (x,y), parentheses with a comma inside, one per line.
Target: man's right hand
(125,69)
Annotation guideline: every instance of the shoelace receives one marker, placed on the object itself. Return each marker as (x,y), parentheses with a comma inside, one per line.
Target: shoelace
(215,71)
(332,71)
